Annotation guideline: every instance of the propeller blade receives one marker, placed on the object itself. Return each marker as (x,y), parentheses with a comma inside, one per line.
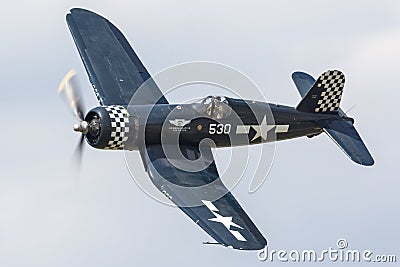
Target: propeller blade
(70,89)
(79,151)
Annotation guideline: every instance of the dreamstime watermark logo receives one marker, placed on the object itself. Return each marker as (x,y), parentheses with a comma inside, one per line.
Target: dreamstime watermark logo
(340,253)
(164,172)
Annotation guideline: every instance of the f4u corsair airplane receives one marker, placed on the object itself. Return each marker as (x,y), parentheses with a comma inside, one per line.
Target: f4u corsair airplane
(150,123)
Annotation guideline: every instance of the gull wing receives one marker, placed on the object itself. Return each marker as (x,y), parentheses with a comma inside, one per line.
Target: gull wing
(114,69)
(202,196)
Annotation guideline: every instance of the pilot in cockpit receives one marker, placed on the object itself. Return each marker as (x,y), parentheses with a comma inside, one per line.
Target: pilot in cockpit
(216,107)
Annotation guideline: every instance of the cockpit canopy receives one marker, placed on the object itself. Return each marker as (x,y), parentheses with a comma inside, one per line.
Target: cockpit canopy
(215,107)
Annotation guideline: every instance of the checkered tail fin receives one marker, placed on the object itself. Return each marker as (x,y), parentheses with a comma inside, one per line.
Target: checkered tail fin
(325,95)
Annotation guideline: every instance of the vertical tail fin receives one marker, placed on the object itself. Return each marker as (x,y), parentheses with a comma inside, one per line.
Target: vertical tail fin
(325,95)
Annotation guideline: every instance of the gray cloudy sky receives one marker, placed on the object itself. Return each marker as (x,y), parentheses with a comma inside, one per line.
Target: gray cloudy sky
(314,193)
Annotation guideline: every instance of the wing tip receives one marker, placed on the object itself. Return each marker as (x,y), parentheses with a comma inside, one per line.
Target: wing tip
(366,160)
(82,12)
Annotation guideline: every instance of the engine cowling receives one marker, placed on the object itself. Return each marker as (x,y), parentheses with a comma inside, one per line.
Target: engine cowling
(111,127)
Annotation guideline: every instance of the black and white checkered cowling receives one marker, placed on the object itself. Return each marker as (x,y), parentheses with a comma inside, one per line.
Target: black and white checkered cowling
(332,84)
(119,117)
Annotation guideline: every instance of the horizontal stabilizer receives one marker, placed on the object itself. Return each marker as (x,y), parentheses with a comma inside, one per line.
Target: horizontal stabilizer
(343,133)
(303,82)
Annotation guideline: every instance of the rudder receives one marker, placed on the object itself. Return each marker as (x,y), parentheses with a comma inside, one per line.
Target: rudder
(325,95)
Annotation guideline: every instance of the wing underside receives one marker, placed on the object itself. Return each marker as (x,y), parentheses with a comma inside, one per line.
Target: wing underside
(203,197)
(114,69)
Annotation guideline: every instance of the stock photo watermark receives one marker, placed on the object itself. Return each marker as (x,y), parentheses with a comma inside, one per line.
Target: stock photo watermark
(340,253)
(232,82)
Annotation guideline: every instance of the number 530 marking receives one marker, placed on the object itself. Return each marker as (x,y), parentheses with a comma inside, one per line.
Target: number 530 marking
(219,128)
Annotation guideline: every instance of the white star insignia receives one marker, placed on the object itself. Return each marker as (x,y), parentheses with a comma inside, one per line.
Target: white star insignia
(262,129)
(226,221)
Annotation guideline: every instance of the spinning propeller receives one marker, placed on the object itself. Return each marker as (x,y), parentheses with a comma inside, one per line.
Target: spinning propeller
(71,93)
